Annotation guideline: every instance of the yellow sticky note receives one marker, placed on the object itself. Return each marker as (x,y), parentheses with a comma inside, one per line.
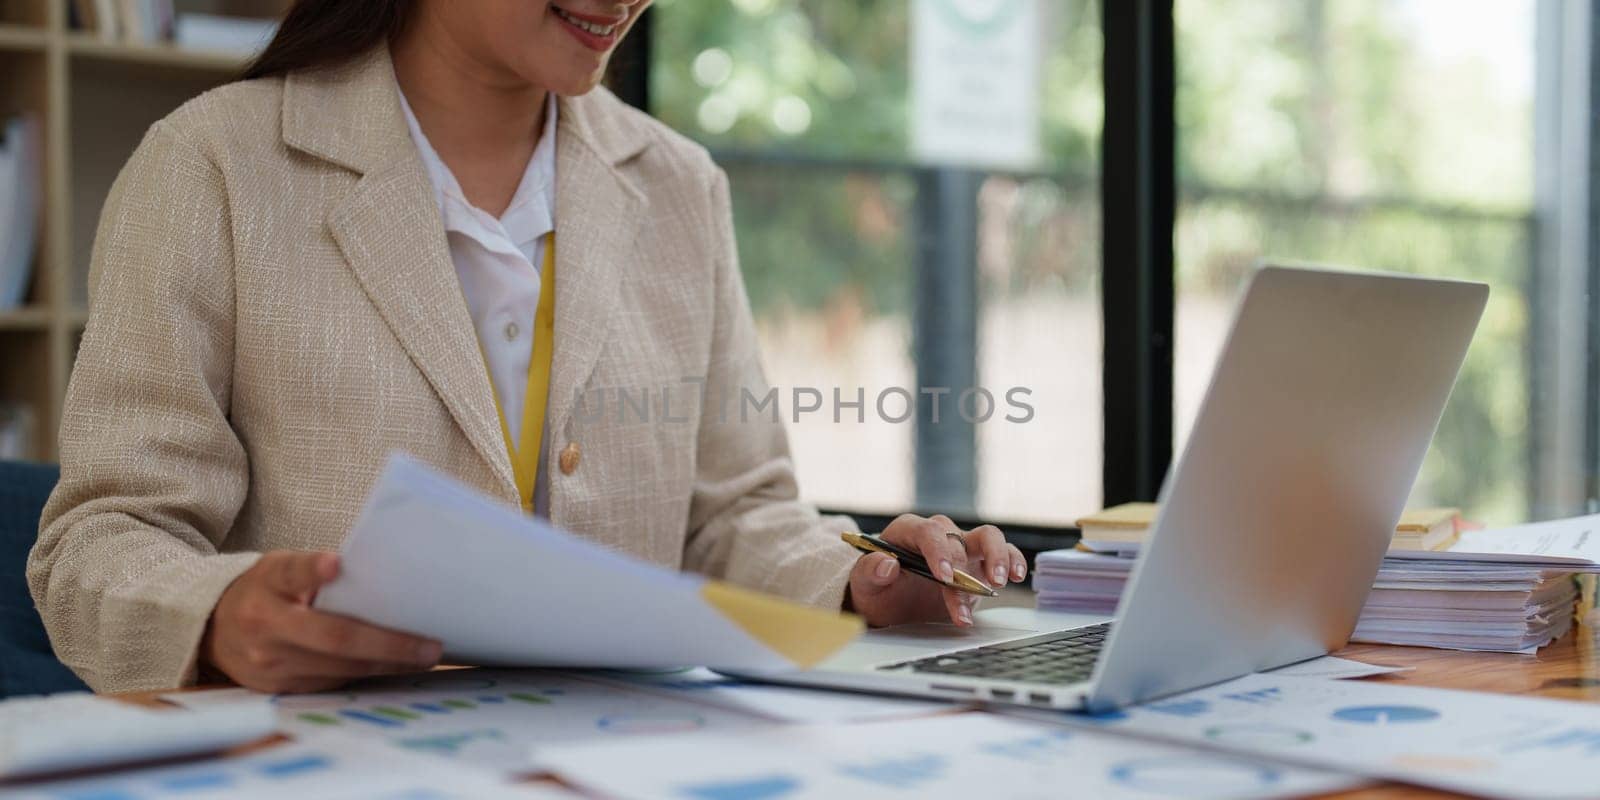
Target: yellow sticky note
(802,634)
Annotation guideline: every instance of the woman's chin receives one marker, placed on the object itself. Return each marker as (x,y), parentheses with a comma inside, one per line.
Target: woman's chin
(576,84)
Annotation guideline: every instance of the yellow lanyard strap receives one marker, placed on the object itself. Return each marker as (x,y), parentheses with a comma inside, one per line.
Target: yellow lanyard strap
(525,454)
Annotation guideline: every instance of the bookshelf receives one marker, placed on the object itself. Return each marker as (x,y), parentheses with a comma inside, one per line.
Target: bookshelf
(95,99)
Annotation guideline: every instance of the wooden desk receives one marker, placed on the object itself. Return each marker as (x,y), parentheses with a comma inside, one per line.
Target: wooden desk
(1568,669)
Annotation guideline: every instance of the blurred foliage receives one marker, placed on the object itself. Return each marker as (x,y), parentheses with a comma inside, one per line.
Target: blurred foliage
(1323,131)
(1309,130)
(733,74)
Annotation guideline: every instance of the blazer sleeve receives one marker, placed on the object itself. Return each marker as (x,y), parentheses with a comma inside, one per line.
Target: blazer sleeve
(747,524)
(127,567)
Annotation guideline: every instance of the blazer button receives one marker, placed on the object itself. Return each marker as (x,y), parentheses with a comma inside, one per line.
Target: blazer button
(569,458)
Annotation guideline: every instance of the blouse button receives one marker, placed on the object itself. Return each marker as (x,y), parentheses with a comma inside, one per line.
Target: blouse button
(512,331)
(569,458)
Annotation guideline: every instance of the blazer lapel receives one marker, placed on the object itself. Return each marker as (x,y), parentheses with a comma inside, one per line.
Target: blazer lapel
(393,240)
(597,218)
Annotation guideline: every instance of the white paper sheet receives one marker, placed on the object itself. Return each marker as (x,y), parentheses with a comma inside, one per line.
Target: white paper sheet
(1572,543)
(1335,668)
(970,755)
(778,703)
(328,770)
(488,718)
(498,587)
(1483,744)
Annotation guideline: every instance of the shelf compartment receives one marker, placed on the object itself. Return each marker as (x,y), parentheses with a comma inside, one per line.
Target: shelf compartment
(159,55)
(26,38)
(25,319)
(25,381)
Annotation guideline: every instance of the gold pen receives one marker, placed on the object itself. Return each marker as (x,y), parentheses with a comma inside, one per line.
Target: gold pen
(915,564)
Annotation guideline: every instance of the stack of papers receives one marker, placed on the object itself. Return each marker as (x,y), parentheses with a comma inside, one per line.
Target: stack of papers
(1507,590)
(20,156)
(1498,607)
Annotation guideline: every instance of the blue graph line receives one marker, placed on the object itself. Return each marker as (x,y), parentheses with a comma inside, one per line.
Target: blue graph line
(197,780)
(898,772)
(1187,776)
(430,708)
(762,788)
(295,766)
(1586,739)
(371,719)
(100,794)
(1036,748)
(1259,696)
(1385,715)
(1181,708)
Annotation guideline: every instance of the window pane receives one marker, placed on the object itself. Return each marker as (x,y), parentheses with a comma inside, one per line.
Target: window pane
(1383,134)
(882,273)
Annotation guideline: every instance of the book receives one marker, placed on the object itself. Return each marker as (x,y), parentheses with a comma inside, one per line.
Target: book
(1122,528)
(1426,529)
(21,150)
(245,36)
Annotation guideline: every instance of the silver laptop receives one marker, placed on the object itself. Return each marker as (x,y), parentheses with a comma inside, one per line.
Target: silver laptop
(1273,520)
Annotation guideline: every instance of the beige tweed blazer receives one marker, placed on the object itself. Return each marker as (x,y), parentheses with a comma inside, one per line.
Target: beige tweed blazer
(274,311)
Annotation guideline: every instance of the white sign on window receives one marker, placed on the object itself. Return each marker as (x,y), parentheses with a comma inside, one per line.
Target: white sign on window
(975,68)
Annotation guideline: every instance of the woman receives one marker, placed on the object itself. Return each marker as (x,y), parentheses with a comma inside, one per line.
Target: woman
(417,226)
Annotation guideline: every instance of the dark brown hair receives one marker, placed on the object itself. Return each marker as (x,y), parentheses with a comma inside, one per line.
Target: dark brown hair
(320,33)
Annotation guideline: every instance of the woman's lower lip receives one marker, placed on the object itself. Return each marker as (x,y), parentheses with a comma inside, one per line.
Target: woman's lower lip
(587,39)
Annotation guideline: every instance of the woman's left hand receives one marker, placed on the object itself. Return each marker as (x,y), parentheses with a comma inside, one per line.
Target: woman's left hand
(885,594)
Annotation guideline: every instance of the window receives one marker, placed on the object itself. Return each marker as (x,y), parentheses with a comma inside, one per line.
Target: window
(887,258)
(1393,135)
(1433,137)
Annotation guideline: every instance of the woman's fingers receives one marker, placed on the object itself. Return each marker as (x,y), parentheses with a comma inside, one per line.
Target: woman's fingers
(313,665)
(1019,563)
(959,606)
(297,575)
(986,546)
(329,634)
(879,569)
(944,554)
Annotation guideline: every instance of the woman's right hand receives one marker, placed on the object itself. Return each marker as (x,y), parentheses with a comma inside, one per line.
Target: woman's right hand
(265,635)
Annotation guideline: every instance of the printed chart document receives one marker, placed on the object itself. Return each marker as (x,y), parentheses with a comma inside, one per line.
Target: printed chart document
(498,587)
(961,755)
(325,770)
(1488,745)
(493,719)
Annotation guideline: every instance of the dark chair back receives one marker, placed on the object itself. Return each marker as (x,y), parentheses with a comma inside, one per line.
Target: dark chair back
(27,664)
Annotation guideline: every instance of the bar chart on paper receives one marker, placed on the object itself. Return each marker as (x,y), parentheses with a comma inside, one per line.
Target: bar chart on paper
(494,718)
(349,770)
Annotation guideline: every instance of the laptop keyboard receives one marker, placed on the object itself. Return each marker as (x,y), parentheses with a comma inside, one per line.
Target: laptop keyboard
(1061,657)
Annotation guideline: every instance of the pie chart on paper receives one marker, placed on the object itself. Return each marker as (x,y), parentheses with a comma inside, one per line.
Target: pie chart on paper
(1385,715)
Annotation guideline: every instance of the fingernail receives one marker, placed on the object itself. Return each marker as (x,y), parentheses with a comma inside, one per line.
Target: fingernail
(1020,571)
(965,614)
(885,567)
(1000,575)
(946,572)
(430,653)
